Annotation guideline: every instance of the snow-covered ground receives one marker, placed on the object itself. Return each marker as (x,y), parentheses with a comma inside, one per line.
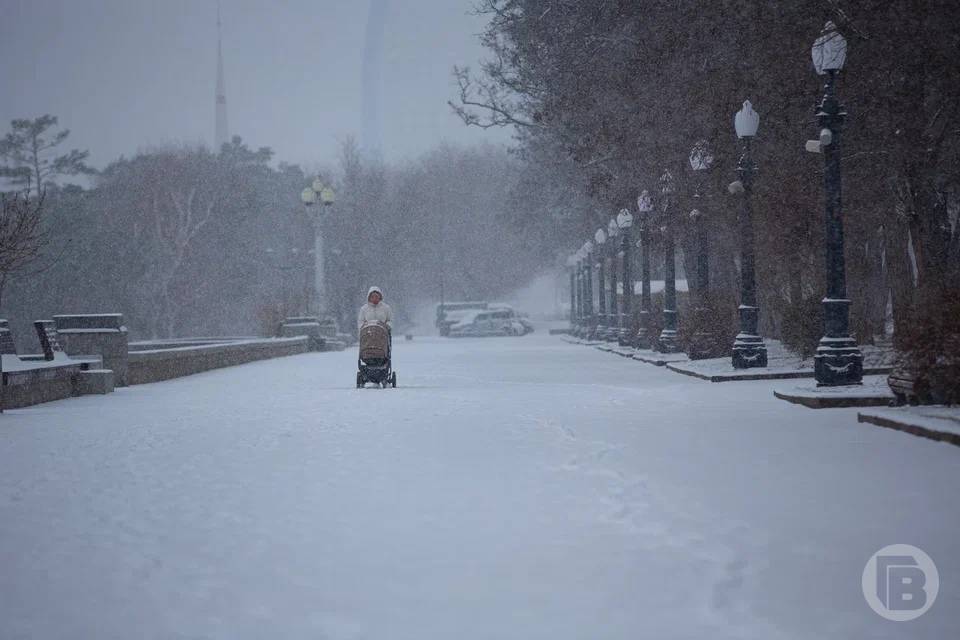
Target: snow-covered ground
(515,488)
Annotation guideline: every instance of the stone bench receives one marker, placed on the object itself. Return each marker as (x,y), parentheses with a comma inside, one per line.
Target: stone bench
(51,376)
(99,334)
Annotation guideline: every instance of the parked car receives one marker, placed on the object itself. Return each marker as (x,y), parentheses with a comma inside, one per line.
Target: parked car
(525,321)
(502,322)
(519,317)
(448,313)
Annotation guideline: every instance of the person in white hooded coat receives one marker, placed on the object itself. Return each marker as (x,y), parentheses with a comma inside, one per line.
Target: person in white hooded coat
(375,311)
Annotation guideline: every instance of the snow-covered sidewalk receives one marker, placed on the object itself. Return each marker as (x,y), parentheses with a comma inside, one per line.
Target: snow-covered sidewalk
(516,488)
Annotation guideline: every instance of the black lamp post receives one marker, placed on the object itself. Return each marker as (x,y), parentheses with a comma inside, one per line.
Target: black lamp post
(590,318)
(643,338)
(614,320)
(581,298)
(668,336)
(572,266)
(838,360)
(625,222)
(600,237)
(748,349)
(703,342)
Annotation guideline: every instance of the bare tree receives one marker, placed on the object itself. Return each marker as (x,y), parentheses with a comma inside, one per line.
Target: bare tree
(22,236)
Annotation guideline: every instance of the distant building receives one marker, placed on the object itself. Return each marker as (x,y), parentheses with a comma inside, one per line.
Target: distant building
(371,142)
(221,131)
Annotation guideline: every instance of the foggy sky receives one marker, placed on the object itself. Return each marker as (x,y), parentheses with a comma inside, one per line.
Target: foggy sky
(130,74)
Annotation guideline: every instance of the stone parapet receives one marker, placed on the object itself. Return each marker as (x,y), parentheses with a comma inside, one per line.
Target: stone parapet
(101,334)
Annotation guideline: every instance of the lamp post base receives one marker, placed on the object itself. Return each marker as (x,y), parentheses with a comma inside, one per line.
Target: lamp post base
(749,352)
(838,362)
(667,343)
(613,333)
(643,339)
(599,332)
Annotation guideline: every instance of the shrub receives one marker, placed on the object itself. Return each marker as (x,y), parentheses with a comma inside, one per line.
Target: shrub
(802,326)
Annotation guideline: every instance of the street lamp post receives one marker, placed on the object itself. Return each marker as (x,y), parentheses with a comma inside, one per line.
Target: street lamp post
(703,342)
(645,211)
(624,222)
(748,349)
(572,266)
(615,321)
(668,336)
(581,298)
(838,360)
(318,193)
(591,321)
(600,237)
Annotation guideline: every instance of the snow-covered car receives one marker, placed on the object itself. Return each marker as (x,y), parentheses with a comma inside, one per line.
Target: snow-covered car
(449,313)
(502,322)
(525,322)
(516,315)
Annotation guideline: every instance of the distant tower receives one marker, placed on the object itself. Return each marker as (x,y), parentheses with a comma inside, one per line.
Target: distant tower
(372,65)
(221,135)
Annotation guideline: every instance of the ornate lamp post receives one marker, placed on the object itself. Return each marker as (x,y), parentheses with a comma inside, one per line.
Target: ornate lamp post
(838,360)
(624,222)
(645,211)
(318,193)
(668,337)
(748,348)
(703,343)
(600,237)
(581,292)
(614,321)
(590,318)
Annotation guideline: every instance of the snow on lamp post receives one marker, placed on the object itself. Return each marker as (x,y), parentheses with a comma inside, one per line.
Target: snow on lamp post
(645,213)
(581,291)
(572,268)
(748,348)
(600,238)
(668,336)
(624,223)
(838,360)
(591,320)
(703,342)
(318,193)
(613,312)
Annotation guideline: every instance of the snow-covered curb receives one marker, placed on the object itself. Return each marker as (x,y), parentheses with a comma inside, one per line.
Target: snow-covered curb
(874,392)
(936,422)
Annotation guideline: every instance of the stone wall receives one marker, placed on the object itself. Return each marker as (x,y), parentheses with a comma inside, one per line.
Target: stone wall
(153,365)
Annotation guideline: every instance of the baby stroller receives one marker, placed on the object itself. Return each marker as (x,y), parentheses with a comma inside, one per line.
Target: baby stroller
(374,362)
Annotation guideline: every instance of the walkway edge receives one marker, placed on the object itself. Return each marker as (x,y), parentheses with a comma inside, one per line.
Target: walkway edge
(890,422)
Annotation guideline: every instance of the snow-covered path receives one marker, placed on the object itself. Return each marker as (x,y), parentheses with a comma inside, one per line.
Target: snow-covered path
(510,489)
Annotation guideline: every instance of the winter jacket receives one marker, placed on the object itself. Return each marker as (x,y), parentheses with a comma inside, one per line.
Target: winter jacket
(372,314)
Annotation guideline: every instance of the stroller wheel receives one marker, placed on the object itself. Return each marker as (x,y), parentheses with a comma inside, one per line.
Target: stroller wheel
(359,380)
(393,379)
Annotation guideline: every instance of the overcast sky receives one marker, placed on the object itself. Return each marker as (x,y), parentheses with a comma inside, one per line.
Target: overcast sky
(129,74)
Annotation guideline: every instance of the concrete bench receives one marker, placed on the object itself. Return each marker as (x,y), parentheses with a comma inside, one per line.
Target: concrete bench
(51,376)
(84,335)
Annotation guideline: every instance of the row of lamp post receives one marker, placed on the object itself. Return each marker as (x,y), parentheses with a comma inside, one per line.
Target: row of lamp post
(317,198)
(838,360)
